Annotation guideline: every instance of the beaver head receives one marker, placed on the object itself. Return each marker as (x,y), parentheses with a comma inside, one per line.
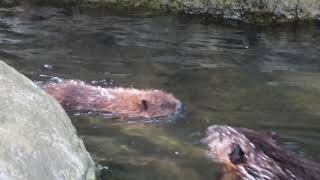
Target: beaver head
(254,155)
(145,103)
(227,145)
(132,102)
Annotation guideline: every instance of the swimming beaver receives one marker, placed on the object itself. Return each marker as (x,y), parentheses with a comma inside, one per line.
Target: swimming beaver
(76,95)
(246,154)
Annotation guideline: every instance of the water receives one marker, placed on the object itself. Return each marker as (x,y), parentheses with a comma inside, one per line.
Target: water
(265,79)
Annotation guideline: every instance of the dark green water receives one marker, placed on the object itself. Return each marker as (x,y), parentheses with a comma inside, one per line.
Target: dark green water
(266,79)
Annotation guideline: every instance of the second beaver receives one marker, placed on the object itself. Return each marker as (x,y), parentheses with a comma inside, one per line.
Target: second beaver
(125,102)
(247,154)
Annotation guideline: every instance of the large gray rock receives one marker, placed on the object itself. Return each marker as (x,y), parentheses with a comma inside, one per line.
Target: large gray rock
(37,138)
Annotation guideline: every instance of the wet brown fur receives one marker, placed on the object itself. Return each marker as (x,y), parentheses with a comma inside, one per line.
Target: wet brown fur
(301,168)
(228,172)
(125,102)
(263,158)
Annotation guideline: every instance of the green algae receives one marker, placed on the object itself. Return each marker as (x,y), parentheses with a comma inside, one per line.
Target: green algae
(304,92)
(149,151)
(161,139)
(172,6)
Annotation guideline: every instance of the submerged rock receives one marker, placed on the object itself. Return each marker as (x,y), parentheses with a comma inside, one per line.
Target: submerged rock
(37,138)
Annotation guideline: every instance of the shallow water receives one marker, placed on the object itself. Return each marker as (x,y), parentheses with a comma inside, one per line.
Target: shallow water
(265,79)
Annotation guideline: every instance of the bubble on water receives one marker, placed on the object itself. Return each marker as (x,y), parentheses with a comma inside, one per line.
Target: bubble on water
(48,66)
(43,75)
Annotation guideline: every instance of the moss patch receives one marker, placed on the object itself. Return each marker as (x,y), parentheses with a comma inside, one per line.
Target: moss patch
(148,5)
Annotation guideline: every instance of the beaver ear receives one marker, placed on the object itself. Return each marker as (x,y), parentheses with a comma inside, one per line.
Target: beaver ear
(237,155)
(144,104)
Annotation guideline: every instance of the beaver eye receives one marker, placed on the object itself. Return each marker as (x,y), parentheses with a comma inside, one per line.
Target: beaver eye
(144,104)
(162,105)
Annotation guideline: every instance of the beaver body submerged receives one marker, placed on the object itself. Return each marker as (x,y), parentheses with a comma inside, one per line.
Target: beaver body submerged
(246,154)
(76,95)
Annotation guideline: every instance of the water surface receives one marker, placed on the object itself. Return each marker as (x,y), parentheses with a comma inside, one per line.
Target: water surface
(265,79)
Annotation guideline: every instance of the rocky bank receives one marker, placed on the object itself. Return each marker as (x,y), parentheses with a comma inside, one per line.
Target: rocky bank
(249,11)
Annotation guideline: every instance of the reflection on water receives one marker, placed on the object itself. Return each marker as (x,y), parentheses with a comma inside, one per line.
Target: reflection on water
(265,79)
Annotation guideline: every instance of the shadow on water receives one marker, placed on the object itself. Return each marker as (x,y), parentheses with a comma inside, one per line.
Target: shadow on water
(265,79)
